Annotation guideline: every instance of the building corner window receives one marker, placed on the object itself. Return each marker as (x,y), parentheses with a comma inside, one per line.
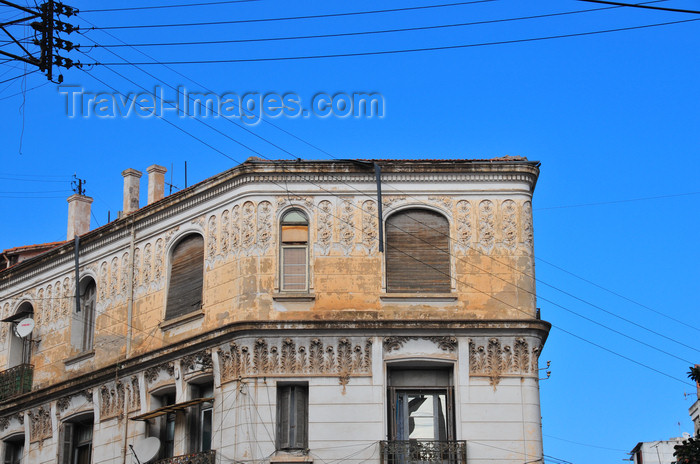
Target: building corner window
(294,252)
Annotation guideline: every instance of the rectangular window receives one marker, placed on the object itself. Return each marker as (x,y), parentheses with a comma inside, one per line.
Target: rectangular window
(76,442)
(163,427)
(201,418)
(294,268)
(292,416)
(14,450)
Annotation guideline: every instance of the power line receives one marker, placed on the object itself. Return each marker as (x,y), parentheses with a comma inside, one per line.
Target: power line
(24,92)
(291,18)
(550,301)
(391,52)
(618,294)
(640,5)
(584,444)
(157,7)
(612,202)
(349,34)
(526,290)
(262,155)
(19,77)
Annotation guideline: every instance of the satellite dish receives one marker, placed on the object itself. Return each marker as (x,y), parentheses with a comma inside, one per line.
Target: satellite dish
(686,435)
(146,449)
(24,327)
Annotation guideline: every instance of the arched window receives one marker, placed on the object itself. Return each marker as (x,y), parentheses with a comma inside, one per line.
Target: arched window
(417,252)
(294,240)
(83,332)
(186,277)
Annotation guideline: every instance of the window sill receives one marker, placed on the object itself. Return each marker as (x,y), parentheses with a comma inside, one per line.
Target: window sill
(171,323)
(408,297)
(79,357)
(287,456)
(294,296)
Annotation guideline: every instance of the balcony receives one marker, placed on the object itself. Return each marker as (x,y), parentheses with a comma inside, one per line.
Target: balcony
(205,457)
(423,452)
(15,381)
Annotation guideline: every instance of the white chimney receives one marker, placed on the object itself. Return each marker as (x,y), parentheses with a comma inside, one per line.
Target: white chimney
(131,190)
(156,184)
(78,215)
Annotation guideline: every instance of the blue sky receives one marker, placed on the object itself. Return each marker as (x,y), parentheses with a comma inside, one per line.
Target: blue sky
(612,117)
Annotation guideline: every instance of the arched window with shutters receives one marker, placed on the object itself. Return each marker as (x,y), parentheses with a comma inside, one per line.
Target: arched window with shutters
(417,252)
(294,252)
(186,277)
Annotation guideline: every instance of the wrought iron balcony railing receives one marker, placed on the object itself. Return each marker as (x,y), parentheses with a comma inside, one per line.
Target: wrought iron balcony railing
(205,457)
(15,381)
(423,452)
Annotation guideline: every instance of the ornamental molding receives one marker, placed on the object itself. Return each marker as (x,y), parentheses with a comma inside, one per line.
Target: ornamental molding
(496,358)
(64,258)
(64,403)
(40,424)
(197,362)
(152,373)
(6,420)
(447,343)
(120,396)
(326,357)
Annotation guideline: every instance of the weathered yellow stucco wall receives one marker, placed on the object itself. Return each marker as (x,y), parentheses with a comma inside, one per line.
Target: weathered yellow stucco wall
(491,268)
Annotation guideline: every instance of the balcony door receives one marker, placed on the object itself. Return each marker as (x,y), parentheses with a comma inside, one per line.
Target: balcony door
(421,415)
(421,405)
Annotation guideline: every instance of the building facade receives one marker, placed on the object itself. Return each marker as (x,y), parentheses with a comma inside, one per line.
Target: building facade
(284,312)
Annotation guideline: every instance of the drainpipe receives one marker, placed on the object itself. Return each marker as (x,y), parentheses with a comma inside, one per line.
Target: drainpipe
(130,290)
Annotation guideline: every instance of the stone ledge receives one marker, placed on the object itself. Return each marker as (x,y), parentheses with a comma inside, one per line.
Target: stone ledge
(291,296)
(418,297)
(79,357)
(283,457)
(171,323)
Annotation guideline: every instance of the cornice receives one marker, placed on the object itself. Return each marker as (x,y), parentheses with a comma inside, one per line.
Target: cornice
(236,330)
(282,173)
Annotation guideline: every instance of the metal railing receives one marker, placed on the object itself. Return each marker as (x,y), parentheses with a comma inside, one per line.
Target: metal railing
(205,457)
(423,452)
(15,381)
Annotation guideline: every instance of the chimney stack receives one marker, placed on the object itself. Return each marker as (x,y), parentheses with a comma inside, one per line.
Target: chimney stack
(156,183)
(78,215)
(131,190)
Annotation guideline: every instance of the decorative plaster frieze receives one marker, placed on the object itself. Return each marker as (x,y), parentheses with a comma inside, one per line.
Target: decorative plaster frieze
(494,359)
(197,362)
(446,343)
(40,424)
(342,357)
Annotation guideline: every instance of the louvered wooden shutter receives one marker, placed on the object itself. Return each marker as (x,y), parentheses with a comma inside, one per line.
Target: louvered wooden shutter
(283,398)
(417,255)
(66,450)
(300,417)
(186,277)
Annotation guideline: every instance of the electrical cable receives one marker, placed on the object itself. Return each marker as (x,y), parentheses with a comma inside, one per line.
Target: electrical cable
(392,52)
(158,7)
(556,304)
(640,5)
(462,282)
(348,34)
(292,18)
(618,294)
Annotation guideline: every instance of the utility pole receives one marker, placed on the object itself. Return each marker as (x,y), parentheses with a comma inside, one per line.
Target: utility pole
(50,44)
